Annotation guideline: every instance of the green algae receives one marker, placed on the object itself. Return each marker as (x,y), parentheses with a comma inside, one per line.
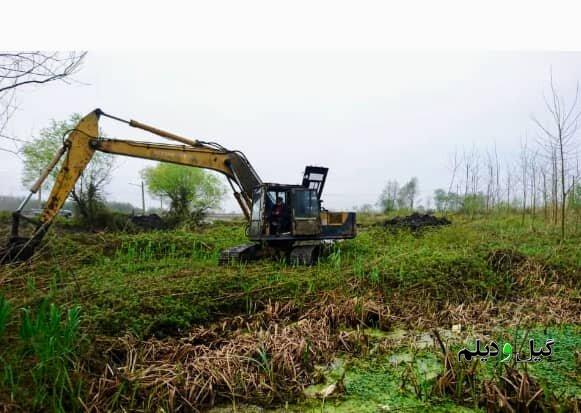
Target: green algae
(384,383)
(401,380)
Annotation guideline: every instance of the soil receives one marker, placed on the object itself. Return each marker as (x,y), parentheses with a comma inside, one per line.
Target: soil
(149,222)
(416,221)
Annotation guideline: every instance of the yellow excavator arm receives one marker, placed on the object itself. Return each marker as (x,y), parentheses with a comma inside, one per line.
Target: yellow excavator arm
(301,233)
(84,140)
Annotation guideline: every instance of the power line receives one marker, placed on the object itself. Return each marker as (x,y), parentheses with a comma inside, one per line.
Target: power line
(14,139)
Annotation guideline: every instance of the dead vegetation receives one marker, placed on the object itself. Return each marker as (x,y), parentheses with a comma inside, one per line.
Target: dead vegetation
(269,357)
(513,391)
(509,390)
(266,358)
(504,260)
(457,381)
(529,272)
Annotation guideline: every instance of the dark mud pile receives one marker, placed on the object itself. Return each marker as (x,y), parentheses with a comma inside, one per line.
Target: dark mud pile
(148,222)
(416,221)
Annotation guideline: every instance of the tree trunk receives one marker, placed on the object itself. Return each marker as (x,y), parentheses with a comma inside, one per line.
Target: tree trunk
(563,191)
(544,194)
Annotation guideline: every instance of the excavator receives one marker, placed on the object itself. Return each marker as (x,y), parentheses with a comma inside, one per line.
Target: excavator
(284,221)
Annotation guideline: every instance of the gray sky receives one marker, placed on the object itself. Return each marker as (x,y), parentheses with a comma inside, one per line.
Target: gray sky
(368,116)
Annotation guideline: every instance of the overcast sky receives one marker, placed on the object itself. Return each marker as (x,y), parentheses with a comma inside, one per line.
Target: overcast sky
(368,116)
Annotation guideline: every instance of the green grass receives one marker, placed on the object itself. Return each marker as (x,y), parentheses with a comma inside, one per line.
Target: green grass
(162,283)
(38,363)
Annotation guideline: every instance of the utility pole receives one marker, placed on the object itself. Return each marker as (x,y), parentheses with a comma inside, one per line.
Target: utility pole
(142,195)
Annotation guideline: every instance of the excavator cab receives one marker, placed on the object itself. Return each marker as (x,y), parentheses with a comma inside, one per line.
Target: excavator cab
(294,213)
(291,219)
(284,212)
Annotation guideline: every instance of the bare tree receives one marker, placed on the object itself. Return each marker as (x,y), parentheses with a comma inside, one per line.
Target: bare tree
(469,158)
(574,202)
(454,165)
(543,173)
(524,164)
(20,69)
(554,185)
(559,133)
(533,168)
(498,191)
(509,182)
(475,171)
(490,191)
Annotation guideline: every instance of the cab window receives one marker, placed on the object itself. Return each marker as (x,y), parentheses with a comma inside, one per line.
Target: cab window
(305,204)
(256,204)
(271,197)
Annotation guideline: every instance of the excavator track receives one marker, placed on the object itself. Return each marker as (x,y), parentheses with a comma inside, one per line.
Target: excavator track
(304,255)
(240,253)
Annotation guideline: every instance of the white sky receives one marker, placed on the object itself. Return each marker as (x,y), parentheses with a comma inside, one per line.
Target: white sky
(369,116)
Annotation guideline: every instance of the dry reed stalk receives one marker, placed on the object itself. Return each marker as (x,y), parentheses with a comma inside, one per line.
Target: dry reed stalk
(264,358)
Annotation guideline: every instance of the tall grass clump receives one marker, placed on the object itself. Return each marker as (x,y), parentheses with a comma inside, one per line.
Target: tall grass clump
(6,373)
(5,311)
(50,338)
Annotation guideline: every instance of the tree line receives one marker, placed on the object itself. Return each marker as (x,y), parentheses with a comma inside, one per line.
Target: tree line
(543,181)
(10,203)
(191,191)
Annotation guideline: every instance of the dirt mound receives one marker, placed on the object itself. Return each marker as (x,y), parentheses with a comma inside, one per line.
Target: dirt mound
(149,222)
(416,221)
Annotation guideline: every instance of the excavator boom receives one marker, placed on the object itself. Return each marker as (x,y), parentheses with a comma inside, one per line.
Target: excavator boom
(298,229)
(83,141)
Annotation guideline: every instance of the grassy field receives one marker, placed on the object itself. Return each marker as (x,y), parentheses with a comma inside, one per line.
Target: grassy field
(149,321)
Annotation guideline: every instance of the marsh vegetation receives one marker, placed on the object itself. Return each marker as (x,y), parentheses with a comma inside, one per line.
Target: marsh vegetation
(148,320)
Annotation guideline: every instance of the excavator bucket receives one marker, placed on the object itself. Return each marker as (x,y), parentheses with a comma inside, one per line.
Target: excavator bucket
(17,249)
(77,153)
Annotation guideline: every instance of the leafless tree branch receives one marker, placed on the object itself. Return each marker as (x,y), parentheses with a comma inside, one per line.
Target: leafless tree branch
(558,142)
(18,69)
(21,69)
